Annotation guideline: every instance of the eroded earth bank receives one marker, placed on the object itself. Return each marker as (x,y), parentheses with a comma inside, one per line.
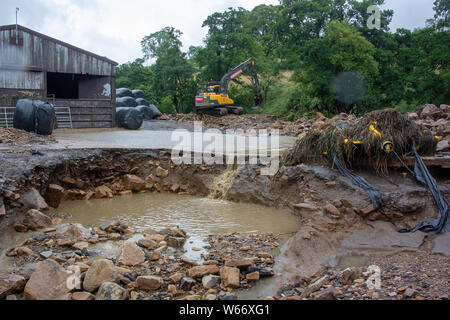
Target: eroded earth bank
(46,254)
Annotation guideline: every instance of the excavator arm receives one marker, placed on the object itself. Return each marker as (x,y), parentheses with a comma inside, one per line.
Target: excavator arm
(236,71)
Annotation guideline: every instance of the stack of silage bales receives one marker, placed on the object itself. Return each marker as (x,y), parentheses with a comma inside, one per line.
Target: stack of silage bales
(126,98)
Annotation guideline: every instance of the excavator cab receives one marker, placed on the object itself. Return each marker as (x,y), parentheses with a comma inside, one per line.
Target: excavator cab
(214,100)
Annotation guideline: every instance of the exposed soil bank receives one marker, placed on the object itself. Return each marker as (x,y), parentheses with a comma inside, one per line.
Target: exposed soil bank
(336,217)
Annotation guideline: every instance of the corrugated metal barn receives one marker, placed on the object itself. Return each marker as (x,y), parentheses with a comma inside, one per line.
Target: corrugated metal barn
(35,65)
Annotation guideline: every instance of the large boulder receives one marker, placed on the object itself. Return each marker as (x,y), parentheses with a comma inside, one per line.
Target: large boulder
(36,220)
(103,192)
(102,270)
(111,291)
(48,282)
(142,102)
(11,283)
(33,200)
(130,254)
(429,110)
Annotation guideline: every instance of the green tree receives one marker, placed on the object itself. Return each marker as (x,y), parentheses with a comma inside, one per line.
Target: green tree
(172,71)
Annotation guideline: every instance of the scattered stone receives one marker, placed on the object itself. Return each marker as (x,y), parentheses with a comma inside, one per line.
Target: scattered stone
(2,208)
(130,254)
(80,245)
(254,276)
(175,278)
(347,276)
(239,263)
(230,277)
(102,270)
(24,251)
(20,227)
(46,254)
(149,283)
(200,271)
(210,281)
(76,231)
(187,283)
(48,282)
(162,173)
(147,243)
(332,210)
(175,242)
(367,210)
(11,283)
(111,291)
(82,296)
(327,294)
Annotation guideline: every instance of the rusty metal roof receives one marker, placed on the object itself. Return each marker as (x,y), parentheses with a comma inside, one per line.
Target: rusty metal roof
(43,36)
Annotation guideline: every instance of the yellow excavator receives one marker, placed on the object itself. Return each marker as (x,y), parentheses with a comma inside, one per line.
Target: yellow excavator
(215,100)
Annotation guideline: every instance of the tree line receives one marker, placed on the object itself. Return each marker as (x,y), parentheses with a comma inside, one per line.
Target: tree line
(312,55)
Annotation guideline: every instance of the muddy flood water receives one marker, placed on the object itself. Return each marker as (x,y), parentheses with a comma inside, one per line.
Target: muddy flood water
(199,217)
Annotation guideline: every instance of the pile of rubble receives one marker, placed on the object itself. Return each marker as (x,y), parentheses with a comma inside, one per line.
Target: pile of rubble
(400,276)
(152,268)
(437,120)
(17,137)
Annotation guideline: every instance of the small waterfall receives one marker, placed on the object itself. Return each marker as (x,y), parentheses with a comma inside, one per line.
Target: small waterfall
(223,183)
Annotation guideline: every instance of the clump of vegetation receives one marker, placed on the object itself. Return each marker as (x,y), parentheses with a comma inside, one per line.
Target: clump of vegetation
(369,134)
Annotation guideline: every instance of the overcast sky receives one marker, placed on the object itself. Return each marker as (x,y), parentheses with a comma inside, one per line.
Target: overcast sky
(114,28)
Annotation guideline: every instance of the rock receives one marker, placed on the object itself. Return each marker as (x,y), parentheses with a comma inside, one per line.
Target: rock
(347,276)
(443,145)
(149,283)
(230,277)
(200,271)
(332,210)
(2,208)
(175,278)
(36,220)
(54,195)
(20,227)
(239,263)
(430,110)
(188,261)
(254,276)
(211,297)
(327,294)
(157,253)
(228,296)
(24,251)
(76,231)
(162,173)
(130,254)
(80,245)
(210,281)
(305,206)
(264,255)
(103,192)
(147,243)
(187,283)
(368,210)
(111,291)
(134,183)
(11,283)
(102,270)
(82,296)
(410,292)
(175,188)
(175,242)
(48,282)
(33,200)
(46,254)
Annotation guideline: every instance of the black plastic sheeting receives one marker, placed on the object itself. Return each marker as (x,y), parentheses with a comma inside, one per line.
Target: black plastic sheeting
(129,102)
(34,116)
(123,92)
(129,118)
(373,193)
(440,224)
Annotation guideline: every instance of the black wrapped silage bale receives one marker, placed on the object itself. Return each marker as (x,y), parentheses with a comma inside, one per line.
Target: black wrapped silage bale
(123,92)
(146,111)
(129,118)
(34,116)
(155,110)
(142,102)
(138,94)
(128,102)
